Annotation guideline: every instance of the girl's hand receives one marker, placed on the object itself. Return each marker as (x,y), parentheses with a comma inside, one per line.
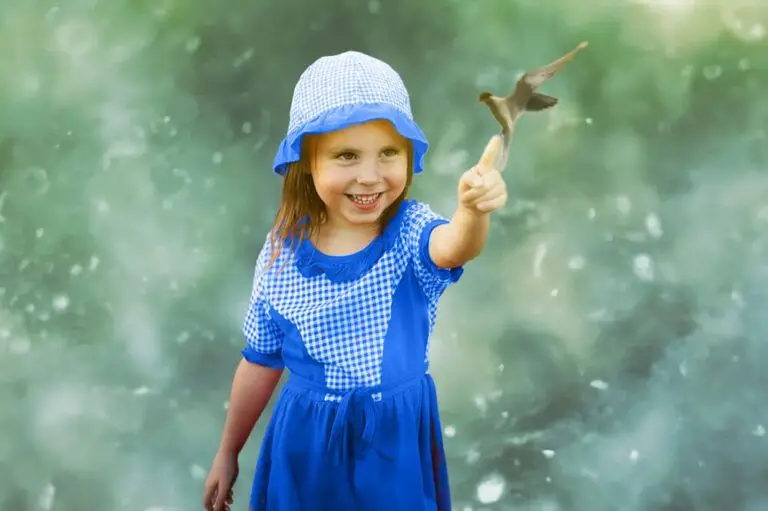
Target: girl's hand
(218,487)
(482,190)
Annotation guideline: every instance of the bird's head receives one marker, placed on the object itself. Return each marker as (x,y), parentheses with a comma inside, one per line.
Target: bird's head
(485,96)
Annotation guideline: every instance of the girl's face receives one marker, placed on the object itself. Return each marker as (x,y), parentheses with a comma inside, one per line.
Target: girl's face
(359,171)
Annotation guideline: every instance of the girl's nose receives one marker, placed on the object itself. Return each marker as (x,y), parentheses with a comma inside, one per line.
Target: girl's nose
(369,173)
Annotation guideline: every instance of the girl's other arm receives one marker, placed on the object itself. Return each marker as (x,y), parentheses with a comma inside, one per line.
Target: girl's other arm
(252,387)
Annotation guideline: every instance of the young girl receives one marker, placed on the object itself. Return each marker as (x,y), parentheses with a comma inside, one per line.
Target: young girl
(345,295)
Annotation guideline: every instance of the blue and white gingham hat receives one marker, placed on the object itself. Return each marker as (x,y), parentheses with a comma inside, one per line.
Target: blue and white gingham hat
(337,91)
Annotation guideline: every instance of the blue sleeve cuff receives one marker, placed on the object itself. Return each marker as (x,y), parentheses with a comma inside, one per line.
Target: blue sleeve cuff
(449,275)
(271,360)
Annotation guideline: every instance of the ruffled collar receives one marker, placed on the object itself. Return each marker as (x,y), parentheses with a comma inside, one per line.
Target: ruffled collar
(311,262)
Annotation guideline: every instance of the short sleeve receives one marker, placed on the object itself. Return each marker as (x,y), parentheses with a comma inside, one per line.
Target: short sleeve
(418,223)
(263,336)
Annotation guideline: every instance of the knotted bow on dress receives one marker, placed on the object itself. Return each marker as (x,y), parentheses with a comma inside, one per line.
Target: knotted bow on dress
(355,404)
(357,410)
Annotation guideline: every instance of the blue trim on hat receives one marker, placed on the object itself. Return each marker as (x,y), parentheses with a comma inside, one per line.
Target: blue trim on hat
(347,115)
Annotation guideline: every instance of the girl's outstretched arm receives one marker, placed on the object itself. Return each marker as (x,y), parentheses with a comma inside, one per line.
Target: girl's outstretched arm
(252,386)
(481,191)
(454,244)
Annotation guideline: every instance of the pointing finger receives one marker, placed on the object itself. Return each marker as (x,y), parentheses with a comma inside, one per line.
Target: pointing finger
(490,156)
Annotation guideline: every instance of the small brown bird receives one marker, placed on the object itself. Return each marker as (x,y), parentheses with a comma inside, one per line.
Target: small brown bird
(524,98)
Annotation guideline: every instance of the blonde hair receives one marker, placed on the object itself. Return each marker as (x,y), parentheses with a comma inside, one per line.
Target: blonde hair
(301,209)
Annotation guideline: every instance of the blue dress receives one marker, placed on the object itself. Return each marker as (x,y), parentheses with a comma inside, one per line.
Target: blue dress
(356,425)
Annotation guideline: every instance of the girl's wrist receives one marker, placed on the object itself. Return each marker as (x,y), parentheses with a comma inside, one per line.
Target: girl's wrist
(228,450)
(470,214)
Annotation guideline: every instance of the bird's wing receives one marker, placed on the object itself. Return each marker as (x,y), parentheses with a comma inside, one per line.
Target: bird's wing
(521,92)
(536,77)
(518,97)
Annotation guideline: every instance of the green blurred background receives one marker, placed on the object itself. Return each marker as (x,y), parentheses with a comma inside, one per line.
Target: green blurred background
(606,352)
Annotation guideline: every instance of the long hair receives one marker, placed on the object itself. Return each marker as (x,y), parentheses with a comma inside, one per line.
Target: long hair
(302,210)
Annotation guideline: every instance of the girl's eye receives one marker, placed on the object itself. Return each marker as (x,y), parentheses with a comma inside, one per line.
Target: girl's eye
(390,152)
(346,156)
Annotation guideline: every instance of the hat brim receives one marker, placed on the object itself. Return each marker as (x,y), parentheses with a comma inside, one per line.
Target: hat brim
(343,116)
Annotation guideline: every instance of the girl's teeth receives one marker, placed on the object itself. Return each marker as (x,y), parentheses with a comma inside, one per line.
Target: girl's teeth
(365,199)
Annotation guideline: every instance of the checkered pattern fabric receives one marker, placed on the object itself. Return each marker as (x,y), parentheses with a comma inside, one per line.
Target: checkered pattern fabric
(261,332)
(433,280)
(342,324)
(349,78)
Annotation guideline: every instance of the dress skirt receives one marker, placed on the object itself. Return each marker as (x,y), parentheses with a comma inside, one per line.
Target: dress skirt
(372,449)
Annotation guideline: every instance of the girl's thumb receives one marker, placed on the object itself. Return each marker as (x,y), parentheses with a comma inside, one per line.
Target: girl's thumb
(490,155)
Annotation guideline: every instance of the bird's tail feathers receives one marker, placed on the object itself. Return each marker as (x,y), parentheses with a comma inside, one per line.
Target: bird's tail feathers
(538,102)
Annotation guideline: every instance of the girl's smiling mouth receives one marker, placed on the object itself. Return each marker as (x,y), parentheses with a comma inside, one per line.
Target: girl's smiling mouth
(365,201)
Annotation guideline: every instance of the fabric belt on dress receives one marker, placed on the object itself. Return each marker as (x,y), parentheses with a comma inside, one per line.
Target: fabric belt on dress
(359,400)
